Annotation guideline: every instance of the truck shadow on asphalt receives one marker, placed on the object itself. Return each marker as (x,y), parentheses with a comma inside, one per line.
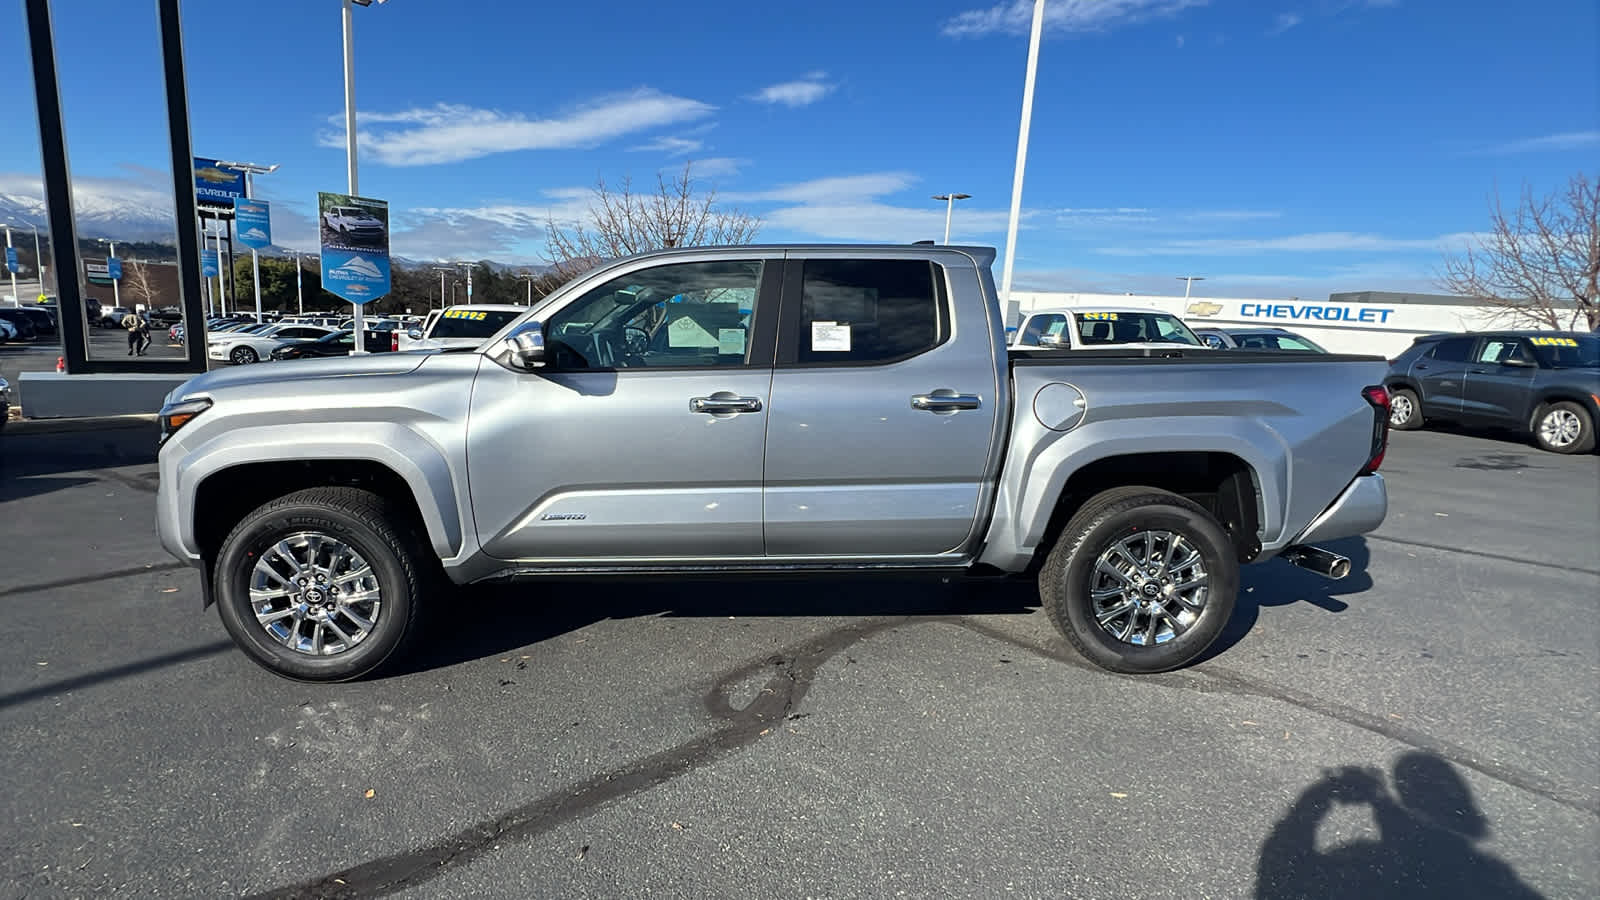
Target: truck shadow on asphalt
(1277,583)
(505,617)
(1427,828)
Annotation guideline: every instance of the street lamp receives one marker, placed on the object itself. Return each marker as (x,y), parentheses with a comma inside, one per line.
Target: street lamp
(251,169)
(529,276)
(116,290)
(1188,283)
(1022,150)
(350,128)
(469,267)
(441,270)
(299,291)
(949,206)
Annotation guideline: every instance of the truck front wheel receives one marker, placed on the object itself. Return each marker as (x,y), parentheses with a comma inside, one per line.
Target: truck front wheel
(1141,580)
(323,584)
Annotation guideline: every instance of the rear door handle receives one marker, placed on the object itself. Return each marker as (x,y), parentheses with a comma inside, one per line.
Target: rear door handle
(725,404)
(945,401)
(1421,368)
(1478,371)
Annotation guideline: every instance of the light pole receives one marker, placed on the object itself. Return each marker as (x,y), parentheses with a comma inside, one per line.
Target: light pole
(14,298)
(38,259)
(949,206)
(469,267)
(222,282)
(250,170)
(116,289)
(299,292)
(441,270)
(1022,151)
(529,277)
(1188,282)
(350,129)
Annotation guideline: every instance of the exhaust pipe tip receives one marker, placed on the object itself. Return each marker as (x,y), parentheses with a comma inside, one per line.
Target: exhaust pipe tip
(1315,559)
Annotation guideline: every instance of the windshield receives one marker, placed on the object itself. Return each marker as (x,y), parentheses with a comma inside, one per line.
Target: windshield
(1292,343)
(1132,328)
(1580,352)
(472,323)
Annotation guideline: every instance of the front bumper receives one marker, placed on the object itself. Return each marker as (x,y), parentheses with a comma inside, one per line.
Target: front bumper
(1359,510)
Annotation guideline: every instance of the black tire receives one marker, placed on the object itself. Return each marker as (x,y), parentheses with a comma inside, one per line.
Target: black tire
(1570,411)
(1067,577)
(1407,400)
(243,356)
(383,536)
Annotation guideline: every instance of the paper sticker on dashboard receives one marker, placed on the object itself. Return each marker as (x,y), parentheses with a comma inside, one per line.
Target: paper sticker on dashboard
(830,336)
(730,341)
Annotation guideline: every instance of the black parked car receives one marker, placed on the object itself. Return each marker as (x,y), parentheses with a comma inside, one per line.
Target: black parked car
(44,320)
(1544,383)
(1276,339)
(23,323)
(340,343)
(165,317)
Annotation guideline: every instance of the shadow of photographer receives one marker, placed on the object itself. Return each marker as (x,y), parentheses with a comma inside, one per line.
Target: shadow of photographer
(1428,826)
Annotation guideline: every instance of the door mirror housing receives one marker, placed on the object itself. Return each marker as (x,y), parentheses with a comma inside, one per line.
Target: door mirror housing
(414,333)
(524,347)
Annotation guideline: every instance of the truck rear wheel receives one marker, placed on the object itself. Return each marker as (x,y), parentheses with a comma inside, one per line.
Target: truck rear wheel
(323,584)
(1141,580)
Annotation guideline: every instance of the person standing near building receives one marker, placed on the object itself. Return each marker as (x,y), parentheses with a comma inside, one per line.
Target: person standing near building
(135,328)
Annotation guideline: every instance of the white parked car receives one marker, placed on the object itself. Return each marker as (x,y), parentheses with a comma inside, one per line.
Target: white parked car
(243,348)
(458,326)
(1099,327)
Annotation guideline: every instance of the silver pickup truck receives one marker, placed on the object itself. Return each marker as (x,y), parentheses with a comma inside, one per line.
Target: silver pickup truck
(801,410)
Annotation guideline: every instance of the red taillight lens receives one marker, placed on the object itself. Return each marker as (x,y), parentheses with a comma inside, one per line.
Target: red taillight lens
(394,344)
(1378,396)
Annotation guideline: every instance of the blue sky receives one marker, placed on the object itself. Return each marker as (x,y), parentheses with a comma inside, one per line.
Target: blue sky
(1277,148)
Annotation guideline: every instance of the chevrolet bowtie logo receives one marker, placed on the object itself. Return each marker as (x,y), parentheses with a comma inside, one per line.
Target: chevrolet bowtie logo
(1203,308)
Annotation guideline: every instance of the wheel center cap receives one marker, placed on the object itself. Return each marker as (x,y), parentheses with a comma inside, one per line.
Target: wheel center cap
(1151,589)
(314,595)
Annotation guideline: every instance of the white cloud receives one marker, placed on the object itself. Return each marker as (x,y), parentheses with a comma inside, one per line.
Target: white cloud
(671,146)
(873,221)
(1180,42)
(802,92)
(1066,16)
(1284,22)
(451,133)
(1317,242)
(831,189)
(1550,143)
(717,166)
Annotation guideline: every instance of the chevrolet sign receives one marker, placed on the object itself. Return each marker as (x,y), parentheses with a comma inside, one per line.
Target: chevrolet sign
(1313,311)
(1203,308)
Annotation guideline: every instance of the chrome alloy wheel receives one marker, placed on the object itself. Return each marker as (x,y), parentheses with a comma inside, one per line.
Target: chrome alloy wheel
(315,594)
(1560,428)
(1148,588)
(1399,409)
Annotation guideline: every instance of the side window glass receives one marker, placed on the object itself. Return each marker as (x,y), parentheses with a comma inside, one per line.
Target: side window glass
(1453,349)
(689,314)
(868,310)
(1492,351)
(1214,342)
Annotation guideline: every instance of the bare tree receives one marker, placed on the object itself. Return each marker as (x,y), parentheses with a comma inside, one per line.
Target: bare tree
(1540,263)
(142,284)
(623,222)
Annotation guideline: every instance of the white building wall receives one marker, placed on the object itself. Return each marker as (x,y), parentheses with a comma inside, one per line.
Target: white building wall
(1377,329)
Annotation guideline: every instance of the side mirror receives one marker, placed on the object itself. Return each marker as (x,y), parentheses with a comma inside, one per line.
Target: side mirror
(415,334)
(524,349)
(1517,362)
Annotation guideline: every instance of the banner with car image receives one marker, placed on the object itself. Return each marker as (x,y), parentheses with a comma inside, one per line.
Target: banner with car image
(355,246)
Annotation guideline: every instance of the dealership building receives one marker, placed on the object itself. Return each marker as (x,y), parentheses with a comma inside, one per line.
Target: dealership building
(1379,323)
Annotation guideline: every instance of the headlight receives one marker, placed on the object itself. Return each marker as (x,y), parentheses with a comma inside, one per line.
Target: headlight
(176,415)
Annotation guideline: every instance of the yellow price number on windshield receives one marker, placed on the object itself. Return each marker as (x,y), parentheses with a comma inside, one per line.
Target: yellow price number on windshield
(1100,317)
(474,315)
(1553,342)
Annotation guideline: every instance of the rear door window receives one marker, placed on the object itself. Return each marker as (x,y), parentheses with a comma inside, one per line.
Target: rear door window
(1454,349)
(868,311)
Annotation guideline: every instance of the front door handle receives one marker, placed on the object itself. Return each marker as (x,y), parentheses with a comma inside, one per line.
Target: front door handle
(945,401)
(1421,368)
(725,403)
(1478,372)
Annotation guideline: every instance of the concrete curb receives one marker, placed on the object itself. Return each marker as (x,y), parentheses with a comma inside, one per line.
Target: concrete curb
(22,427)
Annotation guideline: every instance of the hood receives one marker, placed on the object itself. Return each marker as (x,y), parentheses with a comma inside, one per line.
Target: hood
(302,370)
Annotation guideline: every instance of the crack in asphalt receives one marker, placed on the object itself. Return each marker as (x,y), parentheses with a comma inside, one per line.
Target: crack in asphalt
(1519,560)
(91,579)
(795,671)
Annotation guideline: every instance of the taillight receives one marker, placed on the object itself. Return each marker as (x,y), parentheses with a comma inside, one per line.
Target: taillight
(1378,396)
(394,343)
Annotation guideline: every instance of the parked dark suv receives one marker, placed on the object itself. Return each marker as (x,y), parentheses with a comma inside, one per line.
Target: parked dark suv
(1544,383)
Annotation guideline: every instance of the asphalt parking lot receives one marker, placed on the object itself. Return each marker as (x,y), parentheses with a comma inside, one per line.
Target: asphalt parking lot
(1426,727)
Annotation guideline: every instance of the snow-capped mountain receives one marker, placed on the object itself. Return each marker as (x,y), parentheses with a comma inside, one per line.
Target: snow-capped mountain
(133,215)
